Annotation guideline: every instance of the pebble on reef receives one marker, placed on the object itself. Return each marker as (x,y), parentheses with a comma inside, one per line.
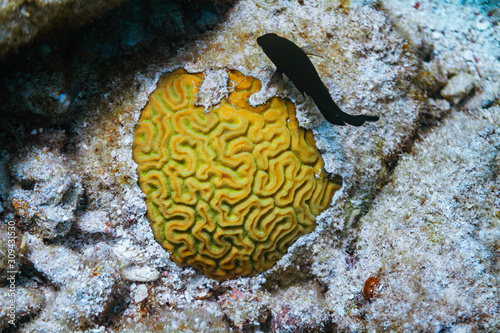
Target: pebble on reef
(458,87)
(140,273)
(97,221)
(371,287)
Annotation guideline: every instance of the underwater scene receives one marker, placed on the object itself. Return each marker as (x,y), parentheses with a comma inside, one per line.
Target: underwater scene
(249,166)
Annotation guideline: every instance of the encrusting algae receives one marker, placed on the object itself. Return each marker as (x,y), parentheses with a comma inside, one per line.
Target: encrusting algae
(228,190)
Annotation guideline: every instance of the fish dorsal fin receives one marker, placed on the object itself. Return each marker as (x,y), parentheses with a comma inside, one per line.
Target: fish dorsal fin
(312,50)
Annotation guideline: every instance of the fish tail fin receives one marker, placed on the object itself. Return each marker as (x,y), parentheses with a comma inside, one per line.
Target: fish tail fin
(358,120)
(353,120)
(336,116)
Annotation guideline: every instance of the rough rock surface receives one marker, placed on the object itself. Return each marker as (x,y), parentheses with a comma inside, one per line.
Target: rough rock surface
(441,210)
(45,197)
(28,303)
(419,212)
(84,281)
(21,21)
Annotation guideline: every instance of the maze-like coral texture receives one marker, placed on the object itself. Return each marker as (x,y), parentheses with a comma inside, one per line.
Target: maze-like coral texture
(230,189)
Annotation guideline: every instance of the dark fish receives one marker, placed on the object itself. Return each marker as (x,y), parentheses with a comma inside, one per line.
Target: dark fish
(292,61)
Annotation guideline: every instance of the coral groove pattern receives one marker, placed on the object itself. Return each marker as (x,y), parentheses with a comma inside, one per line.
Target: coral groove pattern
(230,189)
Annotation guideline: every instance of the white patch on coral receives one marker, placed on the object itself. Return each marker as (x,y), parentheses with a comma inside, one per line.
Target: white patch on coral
(213,88)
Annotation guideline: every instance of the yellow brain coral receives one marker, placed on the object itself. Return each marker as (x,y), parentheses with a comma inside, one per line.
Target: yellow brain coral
(228,190)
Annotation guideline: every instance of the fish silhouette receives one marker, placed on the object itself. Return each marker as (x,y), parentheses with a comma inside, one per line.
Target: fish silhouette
(292,61)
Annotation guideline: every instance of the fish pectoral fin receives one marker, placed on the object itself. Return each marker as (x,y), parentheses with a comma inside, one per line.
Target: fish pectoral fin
(303,95)
(276,78)
(276,81)
(312,50)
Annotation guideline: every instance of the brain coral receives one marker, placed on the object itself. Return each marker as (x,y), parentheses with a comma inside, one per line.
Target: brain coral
(228,190)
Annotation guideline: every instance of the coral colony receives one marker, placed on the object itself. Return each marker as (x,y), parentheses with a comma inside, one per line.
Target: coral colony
(230,190)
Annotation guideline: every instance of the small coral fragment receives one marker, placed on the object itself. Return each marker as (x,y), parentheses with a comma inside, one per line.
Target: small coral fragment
(371,288)
(228,190)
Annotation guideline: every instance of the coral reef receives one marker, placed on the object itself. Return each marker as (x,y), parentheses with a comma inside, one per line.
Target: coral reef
(230,189)
(28,303)
(410,242)
(246,308)
(192,319)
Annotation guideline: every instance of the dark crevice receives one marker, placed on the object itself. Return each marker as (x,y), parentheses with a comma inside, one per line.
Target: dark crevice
(83,202)
(217,292)
(77,240)
(298,271)
(51,82)
(467,98)
(27,184)
(28,273)
(112,316)
(20,321)
(266,325)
